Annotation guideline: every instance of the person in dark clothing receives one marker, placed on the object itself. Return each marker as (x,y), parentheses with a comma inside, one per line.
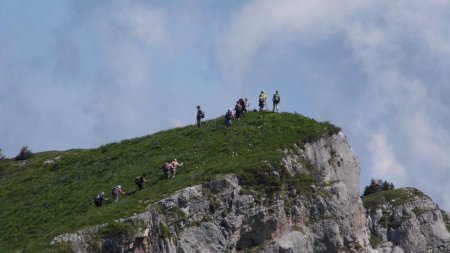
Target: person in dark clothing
(238,110)
(276,101)
(244,104)
(100,199)
(200,115)
(140,181)
(228,117)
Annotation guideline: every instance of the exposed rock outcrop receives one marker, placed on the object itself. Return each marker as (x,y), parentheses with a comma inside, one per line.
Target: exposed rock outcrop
(409,219)
(316,209)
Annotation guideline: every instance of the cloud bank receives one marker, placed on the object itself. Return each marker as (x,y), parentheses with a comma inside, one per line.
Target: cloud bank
(392,106)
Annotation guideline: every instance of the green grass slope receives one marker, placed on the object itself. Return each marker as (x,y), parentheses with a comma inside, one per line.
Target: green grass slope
(395,197)
(40,201)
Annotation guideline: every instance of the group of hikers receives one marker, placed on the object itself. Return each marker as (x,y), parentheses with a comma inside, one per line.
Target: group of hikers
(169,171)
(263,98)
(170,167)
(241,108)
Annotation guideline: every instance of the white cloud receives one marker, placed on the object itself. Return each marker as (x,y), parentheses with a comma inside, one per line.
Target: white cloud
(429,140)
(400,49)
(385,165)
(146,24)
(96,84)
(262,21)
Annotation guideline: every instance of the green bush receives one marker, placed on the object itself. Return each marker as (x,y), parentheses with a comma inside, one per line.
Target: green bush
(164,230)
(122,230)
(374,241)
(24,154)
(263,179)
(394,197)
(377,186)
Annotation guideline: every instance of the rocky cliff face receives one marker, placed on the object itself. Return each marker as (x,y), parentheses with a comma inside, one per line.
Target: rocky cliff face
(408,219)
(315,207)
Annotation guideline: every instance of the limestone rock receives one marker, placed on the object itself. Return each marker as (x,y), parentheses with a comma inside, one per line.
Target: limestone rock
(325,216)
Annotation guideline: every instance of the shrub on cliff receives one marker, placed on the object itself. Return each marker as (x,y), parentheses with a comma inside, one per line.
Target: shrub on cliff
(24,154)
(377,186)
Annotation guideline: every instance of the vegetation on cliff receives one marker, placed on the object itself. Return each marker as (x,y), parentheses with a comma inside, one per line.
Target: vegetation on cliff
(395,197)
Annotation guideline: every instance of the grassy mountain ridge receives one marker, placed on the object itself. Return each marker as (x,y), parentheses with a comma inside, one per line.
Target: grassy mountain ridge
(52,193)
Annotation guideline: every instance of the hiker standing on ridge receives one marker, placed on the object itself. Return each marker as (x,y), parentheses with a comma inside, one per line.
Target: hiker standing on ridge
(262,100)
(244,104)
(228,117)
(276,101)
(238,110)
(200,115)
(100,199)
(116,191)
(140,181)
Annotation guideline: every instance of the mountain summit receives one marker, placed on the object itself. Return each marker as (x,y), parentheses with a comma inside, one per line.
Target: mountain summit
(271,183)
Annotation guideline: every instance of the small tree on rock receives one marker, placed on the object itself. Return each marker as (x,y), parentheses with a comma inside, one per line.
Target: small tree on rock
(24,154)
(377,186)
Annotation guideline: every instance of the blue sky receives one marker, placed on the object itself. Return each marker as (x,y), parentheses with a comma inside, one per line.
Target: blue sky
(79,74)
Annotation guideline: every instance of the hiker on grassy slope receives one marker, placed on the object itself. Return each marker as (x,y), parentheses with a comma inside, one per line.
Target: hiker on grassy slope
(175,165)
(228,117)
(116,191)
(262,100)
(167,169)
(170,168)
(276,100)
(140,181)
(238,110)
(200,115)
(100,199)
(244,104)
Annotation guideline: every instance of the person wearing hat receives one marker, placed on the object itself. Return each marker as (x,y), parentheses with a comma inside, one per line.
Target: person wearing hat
(262,100)
(200,115)
(276,101)
(116,191)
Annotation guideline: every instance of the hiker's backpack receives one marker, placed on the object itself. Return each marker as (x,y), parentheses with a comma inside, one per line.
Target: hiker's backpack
(228,115)
(238,108)
(167,166)
(202,114)
(114,191)
(276,98)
